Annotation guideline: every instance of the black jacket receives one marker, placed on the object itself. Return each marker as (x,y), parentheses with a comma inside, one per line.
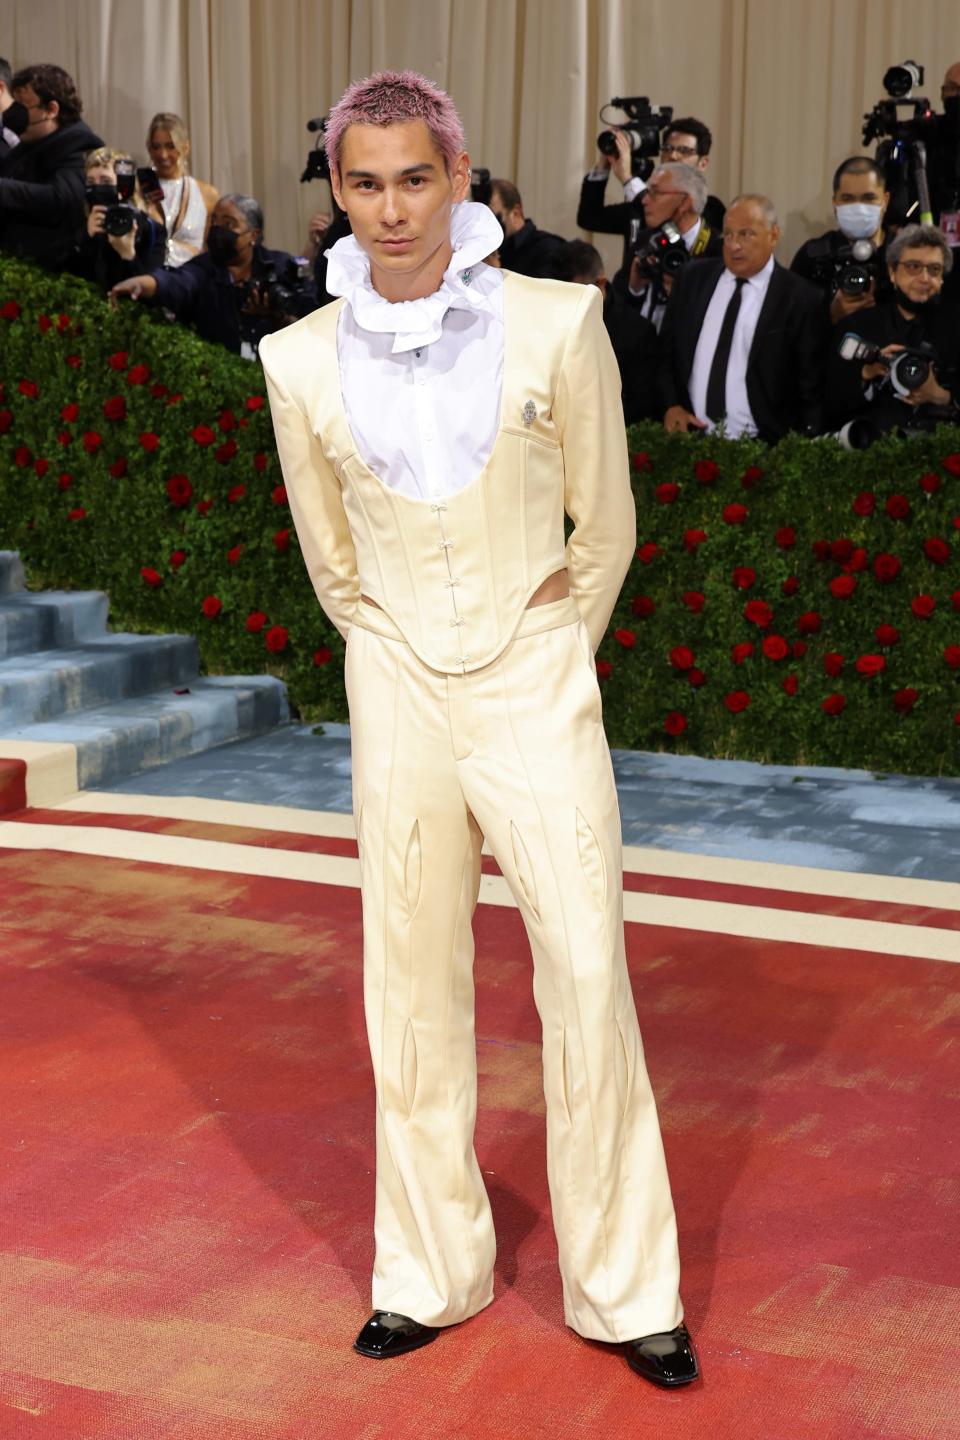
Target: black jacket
(786,357)
(43,211)
(602,219)
(637,348)
(202,294)
(95,258)
(885,324)
(530,251)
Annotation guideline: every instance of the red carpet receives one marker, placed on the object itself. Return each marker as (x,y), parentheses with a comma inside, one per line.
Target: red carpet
(186,1190)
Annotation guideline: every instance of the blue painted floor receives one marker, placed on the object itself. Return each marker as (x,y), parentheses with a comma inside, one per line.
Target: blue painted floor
(831,819)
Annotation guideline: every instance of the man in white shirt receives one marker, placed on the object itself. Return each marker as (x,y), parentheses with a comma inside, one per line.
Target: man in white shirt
(428,488)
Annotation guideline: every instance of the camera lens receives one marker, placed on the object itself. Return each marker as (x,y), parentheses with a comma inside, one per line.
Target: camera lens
(909,371)
(855,280)
(607,143)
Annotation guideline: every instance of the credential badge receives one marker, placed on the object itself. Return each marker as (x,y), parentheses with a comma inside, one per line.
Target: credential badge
(529,413)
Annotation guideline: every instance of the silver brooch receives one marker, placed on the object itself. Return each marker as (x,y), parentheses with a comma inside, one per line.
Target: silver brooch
(466,276)
(529,413)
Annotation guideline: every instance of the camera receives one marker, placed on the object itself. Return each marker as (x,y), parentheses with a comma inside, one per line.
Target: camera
(662,252)
(481,190)
(642,128)
(317,166)
(910,127)
(848,267)
(121,216)
(907,370)
(284,295)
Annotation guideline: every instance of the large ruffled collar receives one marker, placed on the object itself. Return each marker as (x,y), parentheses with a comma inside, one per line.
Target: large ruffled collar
(474,232)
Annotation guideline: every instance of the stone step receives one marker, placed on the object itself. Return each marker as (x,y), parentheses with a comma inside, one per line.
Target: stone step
(50,619)
(48,683)
(11,572)
(130,735)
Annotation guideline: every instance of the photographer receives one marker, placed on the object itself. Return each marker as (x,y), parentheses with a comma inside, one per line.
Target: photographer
(924,392)
(525,249)
(121,239)
(239,290)
(675,232)
(42,209)
(13,115)
(851,282)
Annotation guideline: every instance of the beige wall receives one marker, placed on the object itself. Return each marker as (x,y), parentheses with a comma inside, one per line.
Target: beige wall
(782,83)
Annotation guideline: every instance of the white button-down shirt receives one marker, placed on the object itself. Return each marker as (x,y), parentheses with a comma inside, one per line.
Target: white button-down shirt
(739,418)
(421,379)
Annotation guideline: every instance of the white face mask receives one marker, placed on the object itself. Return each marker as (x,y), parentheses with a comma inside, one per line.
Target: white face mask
(859,222)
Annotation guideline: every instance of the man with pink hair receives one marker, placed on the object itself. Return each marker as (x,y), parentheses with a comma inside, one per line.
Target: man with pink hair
(434,424)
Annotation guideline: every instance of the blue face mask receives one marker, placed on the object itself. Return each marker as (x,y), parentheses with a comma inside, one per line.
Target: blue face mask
(859,222)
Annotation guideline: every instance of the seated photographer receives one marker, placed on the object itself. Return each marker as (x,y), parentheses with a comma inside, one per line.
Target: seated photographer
(239,290)
(633,338)
(121,239)
(852,281)
(42,207)
(675,232)
(525,249)
(742,338)
(685,141)
(865,380)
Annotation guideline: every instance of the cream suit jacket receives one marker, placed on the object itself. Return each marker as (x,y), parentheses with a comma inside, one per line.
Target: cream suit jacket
(455,574)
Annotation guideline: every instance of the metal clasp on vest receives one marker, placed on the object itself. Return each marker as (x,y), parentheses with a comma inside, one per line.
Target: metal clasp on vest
(445,545)
(449,584)
(462,659)
(437,506)
(459,621)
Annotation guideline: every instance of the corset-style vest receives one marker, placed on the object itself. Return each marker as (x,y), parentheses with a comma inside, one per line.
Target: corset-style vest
(455,573)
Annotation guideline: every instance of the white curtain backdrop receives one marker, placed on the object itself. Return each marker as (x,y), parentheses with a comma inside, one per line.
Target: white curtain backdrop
(783,84)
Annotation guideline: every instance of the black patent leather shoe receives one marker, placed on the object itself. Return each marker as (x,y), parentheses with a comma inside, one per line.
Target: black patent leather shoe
(667,1359)
(386,1334)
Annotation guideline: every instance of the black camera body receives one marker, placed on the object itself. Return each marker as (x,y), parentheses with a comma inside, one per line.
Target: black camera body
(907,370)
(317,166)
(120,217)
(849,267)
(284,295)
(662,252)
(642,128)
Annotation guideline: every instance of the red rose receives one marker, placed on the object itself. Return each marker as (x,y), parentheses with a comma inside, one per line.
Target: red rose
(70,412)
(786,537)
(951,463)
(743,577)
(118,468)
(227,420)
(22,456)
(833,704)
(91,441)
(44,323)
(952,656)
(858,560)
(282,540)
(138,375)
(234,555)
(260,462)
(675,723)
(750,476)
(276,638)
(821,549)
(204,507)
(905,699)
(153,578)
(174,399)
(643,606)
(865,503)
(898,507)
(809,623)
(158,391)
(666,493)
(226,451)
(936,550)
(923,606)
(641,461)
(646,553)
(758,612)
(693,538)
(741,652)
(696,677)
(833,664)
(64,481)
(790,585)
(118,361)
(279,494)
(237,493)
(64,438)
(886,568)
(10,311)
(6,420)
(798,649)
(955,600)
(775,647)
(886,634)
(871,664)
(179,490)
(177,559)
(735,514)
(323,656)
(149,441)
(74,361)
(930,483)
(212,606)
(63,324)
(29,388)
(256,621)
(78,514)
(681,657)
(841,550)
(41,466)
(626,638)
(706,471)
(203,435)
(254,402)
(790,685)
(842,586)
(694,600)
(736,701)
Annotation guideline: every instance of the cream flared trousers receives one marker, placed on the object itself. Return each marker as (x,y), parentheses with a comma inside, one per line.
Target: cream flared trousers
(515,752)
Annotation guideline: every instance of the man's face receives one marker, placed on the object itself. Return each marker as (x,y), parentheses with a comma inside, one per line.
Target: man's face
(510,220)
(661,200)
(861,188)
(394,186)
(951,83)
(43,119)
(919,273)
(678,148)
(748,239)
(233,219)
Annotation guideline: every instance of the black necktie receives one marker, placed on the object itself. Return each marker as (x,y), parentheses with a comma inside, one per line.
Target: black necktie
(717,382)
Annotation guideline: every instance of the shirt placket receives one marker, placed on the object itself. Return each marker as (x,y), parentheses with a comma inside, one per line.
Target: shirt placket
(424,410)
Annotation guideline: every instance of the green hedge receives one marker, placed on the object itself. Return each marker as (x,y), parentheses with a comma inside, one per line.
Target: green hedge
(178,511)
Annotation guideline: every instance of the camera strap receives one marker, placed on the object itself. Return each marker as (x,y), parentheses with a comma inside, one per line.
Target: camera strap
(703,239)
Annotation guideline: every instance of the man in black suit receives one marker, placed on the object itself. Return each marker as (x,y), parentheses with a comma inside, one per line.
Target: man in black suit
(525,249)
(743,338)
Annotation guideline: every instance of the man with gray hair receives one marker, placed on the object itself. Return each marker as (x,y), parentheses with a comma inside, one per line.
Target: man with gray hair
(743,338)
(673,205)
(238,290)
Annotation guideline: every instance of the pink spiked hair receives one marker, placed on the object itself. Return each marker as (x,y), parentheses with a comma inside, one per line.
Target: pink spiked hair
(392,96)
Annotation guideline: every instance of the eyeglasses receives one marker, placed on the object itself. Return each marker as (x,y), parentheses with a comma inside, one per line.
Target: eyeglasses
(917,267)
(678,150)
(655,192)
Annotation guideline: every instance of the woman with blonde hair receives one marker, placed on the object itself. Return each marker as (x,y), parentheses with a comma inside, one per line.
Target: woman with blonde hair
(183,204)
(120,238)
